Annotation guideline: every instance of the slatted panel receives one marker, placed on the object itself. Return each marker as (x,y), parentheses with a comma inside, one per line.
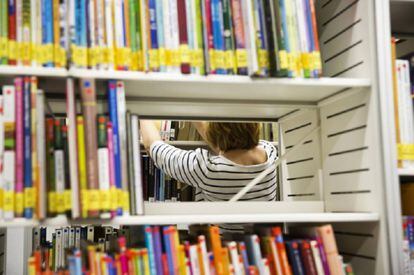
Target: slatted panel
(359,245)
(300,176)
(343,28)
(348,154)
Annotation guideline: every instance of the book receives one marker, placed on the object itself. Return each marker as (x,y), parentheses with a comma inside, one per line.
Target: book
(19,187)
(88,96)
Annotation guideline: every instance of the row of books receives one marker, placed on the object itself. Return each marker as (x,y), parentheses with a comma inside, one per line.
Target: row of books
(83,165)
(404,110)
(408,244)
(201,250)
(260,37)
(184,130)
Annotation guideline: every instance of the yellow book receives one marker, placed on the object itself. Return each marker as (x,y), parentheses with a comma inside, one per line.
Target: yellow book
(395,93)
(82,164)
(182,262)
(145,261)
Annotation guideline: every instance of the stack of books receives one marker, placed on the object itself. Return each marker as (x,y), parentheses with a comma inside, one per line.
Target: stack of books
(165,250)
(260,37)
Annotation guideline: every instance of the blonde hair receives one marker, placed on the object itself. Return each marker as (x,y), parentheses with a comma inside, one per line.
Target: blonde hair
(230,136)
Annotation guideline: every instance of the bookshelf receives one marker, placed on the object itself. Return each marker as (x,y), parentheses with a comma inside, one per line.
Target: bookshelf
(349,178)
(6,70)
(405,172)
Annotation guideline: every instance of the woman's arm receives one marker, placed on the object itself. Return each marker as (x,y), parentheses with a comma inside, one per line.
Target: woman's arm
(149,133)
(201,127)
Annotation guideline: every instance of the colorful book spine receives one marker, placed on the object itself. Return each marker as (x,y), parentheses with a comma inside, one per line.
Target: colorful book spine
(25,49)
(109,38)
(50,163)
(113,116)
(239,37)
(184,51)
(4,32)
(112,177)
(56,34)
(41,155)
(30,193)
(9,175)
(103,167)
(150,246)
(82,173)
(2,137)
(59,165)
(47,34)
(27,166)
(18,82)
(12,45)
(228,32)
(294,258)
(88,96)
(218,35)
(284,44)
(160,17)
(316,55)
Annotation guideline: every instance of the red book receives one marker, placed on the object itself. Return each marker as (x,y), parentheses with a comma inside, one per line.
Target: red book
(19,188)
(183,37)
(307,258)
(209,32)
(12,27)
(165,264)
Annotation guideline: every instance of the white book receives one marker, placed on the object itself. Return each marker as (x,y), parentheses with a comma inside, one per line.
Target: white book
(302,29)
(103,173)
(266,268)
(92,25)
(73,148)
(139,197)
(204,253)
(77,237)
(59,171)
(190,27)
(317,257)
(160,18)
(58,249)
(109,30)
(250,36)
(100,28)
(41,152)
(193,23)
(234,256)
(167,28)
(195,265)
(72,236)
(9,123)
(119,25)
(1,151)
(121,109)
(174,31)
(258,255)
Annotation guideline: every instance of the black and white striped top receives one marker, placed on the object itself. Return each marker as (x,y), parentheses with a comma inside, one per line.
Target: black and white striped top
(215,177)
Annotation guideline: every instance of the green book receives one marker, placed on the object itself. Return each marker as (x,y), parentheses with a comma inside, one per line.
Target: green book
(200,38)
(133,32)
(3,31)
(102,132)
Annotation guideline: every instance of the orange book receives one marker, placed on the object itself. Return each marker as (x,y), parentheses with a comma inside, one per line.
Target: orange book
(91,259)
(217,249)
(281,251)
(182,261)
(331,250)
(226,260)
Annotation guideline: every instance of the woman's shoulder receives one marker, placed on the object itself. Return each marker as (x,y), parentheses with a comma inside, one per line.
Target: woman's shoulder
(270,149)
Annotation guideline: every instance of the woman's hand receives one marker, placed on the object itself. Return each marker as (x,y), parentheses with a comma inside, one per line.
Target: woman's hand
(149,133)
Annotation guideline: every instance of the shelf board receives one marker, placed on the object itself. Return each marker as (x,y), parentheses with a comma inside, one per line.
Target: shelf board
(402,172)
(33,71)
(195,143)
(217,212)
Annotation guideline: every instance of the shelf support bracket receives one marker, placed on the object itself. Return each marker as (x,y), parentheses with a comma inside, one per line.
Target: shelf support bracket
(283,157)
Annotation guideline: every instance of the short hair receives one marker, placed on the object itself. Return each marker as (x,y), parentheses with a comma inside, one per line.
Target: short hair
(231,136)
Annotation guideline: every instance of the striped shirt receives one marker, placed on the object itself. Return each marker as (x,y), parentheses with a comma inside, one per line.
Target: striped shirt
(216,178)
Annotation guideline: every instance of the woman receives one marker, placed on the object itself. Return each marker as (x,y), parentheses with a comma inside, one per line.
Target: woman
(239,158)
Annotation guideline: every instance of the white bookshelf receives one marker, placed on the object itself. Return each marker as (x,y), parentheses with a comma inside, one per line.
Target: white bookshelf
(6,70)
(403,172)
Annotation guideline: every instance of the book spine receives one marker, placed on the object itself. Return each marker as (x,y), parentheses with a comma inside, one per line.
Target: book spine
(100,34)
(103,166)
(121,118)
(157,249)
(228,32)
(294,257)
(239,37)
(130,155)
(56,33)
(12,45)
(166,234)
(36,161)
(285,51)
(27,167)
(149,244)
(316,55)
(49,30)
(250,36)
(183,37)
(91,34)
(262,40)
(330,248)
(19,147)
(235,261)
(4,21)
(112,178)
(216,247)
(132,13)
(138,186)
(19,30)
(144,34)
(67,194)
(270,26)
(109,33)
(82,173)
(119,34)
(50,164)
(317,257)
(73,147)
(307,258)
(59,162)
(113,115)
(281,249)
(88,96)
(26,32)
(199,40)
(160,17)
(2,136)
(218,35)
(190,31)
(243,253)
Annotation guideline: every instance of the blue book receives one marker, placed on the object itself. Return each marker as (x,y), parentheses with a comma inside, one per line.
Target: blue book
(168,251)
(282,7)
(295,260)
(149,244)
(111,268)
(243,252)
(47,26)
(160,30)
(157,249)
(153,32)
(261,32)
(113,116)
(28,212)
(218,28)
(162,186)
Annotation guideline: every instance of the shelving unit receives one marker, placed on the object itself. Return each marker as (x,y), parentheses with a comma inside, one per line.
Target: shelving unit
(349,177)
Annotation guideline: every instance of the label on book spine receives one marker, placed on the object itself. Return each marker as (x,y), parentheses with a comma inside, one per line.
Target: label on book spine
(67,198)
(105,200)
(229,59)
(263,58)
(4,46)
(241,57)
(405,151)
(29,197)
(185,54)
(197,58)
(162,56)
(219,59)
(114,198)
(60,202)
(52,202)
(8,201)
(283,57)
(19,202)
(153,59)
(13,50)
